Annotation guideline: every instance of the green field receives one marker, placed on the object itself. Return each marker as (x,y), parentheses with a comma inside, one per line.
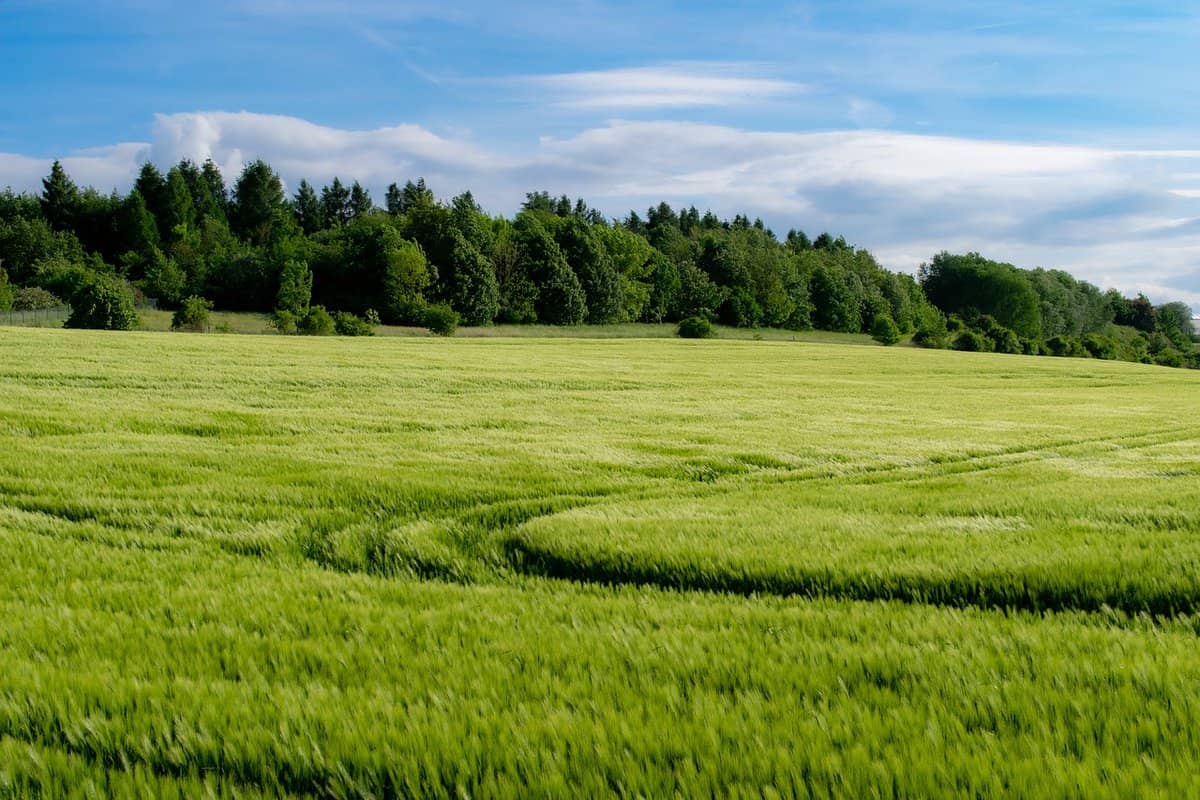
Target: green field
(245,566)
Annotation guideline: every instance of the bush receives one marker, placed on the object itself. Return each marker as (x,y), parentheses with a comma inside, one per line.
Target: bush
(741,310)
(284,321)
(1169,358)
(372,318)
(192,315)
(884,330)
(6,292)
(972,342)
(1005,340)
(346,324)
(1100,346)
(932,330)
(694,328)
(441,320)
(35,298)
(315,322)
(1031,347)
(1064,347)
(102,303)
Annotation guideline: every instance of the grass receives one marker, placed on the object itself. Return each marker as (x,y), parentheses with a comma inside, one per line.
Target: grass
(255,323)
(335,567)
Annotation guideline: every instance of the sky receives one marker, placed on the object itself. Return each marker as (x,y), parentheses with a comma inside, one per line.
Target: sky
(1054,134)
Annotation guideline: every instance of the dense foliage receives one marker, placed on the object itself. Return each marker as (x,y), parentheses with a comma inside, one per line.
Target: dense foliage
(251,247)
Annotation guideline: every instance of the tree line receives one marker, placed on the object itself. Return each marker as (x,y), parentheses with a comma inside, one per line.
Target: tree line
(334,260)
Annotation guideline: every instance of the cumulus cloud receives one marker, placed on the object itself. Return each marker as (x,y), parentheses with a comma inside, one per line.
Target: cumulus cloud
(671,86)
(1124,218)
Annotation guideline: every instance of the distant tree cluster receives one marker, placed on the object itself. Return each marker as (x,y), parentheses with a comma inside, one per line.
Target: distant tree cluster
(996,307)
(331,261)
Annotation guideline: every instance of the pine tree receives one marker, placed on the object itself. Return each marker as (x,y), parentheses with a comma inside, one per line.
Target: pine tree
(307,208)
(394,199)
(335,204)
(179,209)
(216,188)
(152,186)
(257,200)
(60,198)
(360,203)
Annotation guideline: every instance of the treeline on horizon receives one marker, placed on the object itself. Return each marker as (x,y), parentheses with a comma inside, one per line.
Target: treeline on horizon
(188,241)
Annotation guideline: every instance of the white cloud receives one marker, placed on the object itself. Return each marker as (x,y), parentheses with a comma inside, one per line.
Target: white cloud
(671,86)
(1116,217)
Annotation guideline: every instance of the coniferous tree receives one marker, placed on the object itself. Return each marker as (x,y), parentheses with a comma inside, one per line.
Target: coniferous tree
(216,188)
(307,208)
(360,203)
(60,199)
(335,204)
(152,186)
(394,200)
(178,210)
(258,202)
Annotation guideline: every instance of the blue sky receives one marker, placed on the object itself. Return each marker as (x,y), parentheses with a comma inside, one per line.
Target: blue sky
(1045,133)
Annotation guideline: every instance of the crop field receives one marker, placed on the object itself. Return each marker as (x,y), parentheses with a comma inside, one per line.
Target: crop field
(491,567)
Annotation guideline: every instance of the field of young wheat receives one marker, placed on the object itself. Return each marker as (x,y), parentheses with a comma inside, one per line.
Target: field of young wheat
(244,566)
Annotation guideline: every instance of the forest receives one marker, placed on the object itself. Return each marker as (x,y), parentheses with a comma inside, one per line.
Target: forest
(334,261)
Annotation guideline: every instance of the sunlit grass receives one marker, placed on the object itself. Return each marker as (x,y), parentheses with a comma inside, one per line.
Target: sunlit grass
(333,567)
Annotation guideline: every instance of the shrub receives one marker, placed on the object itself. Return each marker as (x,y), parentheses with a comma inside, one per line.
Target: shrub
(346,324)
(315,322)
(1005,340)
(694,328)
(1169,357)
(372,318)
(34,298)
(972,342)
(1065,346)
(284,321)
(884,330)
(102,303)
(1031,347)
(441,320)
(741,310)
(6,291)
(932,330)
(1100,346)
(193,315)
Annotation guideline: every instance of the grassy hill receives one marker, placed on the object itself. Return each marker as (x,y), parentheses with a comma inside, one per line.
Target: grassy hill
(513,566)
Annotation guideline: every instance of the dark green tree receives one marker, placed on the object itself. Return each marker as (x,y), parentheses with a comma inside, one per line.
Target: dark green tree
(597,275)
(307,208)
(360,203)
(60,199)
(335,204)
(218,196)
(179,211)
(474,292)
(258,203)
(560,299)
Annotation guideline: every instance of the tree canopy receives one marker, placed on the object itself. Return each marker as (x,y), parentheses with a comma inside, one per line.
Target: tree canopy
(181,234)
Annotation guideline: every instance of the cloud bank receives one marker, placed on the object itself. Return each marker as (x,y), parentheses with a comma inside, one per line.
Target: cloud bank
(1123,218)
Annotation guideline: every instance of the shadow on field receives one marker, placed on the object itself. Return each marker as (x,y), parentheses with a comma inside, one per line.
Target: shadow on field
(1000,590)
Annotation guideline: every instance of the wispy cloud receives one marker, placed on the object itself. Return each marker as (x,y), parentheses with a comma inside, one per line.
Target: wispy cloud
(679,85)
